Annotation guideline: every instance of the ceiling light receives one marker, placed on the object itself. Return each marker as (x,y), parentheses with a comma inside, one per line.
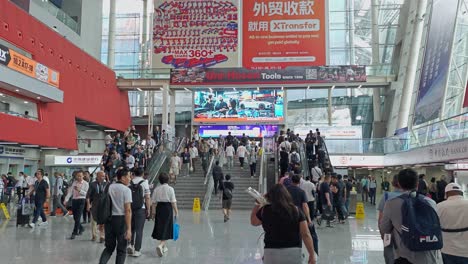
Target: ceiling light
(359,87)
(186,89)
(258,88)
(110,130)
(49,148)
(308,87)
(234,88)
(26,102)
(333,87)
(139,89)
(358,117)
(282,88)
(38,97)
(8,143)
(161,89)
(91,130)
(1,94)
(16,90)
(30,146)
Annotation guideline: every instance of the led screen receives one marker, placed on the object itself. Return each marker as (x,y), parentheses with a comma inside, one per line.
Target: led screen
(253,131)
(249,105)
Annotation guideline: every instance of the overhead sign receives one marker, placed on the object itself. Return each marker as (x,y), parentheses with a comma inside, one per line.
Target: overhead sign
(189,34)
(77,160)
(282,33)
(27,66)
(357,161)
(291,75)
(11,151)
(250,131)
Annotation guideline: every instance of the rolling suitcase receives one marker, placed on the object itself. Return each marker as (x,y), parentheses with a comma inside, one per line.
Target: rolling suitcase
(24,210)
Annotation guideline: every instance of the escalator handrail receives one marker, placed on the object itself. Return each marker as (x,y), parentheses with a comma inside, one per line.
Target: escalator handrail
(209,188)
(327,154)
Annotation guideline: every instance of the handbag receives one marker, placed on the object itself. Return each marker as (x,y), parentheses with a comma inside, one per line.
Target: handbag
(328,214)
(176,229)
(27,208)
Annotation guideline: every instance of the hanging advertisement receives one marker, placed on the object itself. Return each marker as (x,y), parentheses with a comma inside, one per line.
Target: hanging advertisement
(247,105)
(436,65)
(252,131)
(281,33)
(27,66)
(188,34)
(290,75)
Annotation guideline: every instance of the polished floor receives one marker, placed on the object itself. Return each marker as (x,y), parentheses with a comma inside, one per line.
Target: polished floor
(204,238)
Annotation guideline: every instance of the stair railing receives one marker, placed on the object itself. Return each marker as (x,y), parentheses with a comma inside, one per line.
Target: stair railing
(327,155)
(163,158)
(209,182)
(262,188)
(304,159)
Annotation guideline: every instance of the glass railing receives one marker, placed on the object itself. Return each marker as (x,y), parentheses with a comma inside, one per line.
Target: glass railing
(374,146)
(60,15)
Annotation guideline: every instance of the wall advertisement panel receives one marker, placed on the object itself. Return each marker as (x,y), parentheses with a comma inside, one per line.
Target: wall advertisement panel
(189,34)
(282,33)
(252,131)
(437,55)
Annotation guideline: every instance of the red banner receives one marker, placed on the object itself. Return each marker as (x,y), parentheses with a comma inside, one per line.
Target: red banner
(282,33)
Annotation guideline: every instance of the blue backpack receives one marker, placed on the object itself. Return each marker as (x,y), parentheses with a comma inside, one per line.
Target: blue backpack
(421,230)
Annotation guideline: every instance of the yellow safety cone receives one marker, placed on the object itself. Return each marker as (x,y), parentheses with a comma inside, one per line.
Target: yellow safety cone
(196,205)
(360,214)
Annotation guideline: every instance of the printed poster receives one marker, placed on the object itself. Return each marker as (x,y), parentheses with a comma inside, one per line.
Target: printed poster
(436,64)
(188,34)
(282,33)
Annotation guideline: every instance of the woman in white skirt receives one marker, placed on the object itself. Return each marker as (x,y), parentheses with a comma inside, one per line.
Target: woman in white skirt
(285,228)
(164,210)
(175,165)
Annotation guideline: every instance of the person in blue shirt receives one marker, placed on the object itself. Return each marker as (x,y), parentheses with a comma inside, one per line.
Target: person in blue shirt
(388,249)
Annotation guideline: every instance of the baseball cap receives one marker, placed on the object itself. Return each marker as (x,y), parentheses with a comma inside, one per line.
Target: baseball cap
(453,187)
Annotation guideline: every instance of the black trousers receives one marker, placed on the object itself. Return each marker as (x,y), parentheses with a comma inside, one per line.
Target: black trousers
(138,222)
(115,237)
(241,160)
(311,210)
(216,185)
(77,208)
(253,169)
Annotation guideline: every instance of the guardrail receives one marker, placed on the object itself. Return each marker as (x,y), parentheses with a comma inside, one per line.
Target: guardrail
(209,188)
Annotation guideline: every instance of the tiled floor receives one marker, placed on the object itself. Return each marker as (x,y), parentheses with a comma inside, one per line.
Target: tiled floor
(204,238)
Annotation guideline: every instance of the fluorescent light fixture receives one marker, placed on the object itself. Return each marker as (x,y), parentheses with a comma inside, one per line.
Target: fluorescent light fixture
(38,97)
(359,87)
(17,90)
(234,88)
(49,148)
(333,87)
(110,130)
(282,88)
(26,102)
(162,89)
(258,88)
(308,87)
(1,94)
(358,117)
(30,146)
(8,143)
(91,130)
(139,89)
(186,89)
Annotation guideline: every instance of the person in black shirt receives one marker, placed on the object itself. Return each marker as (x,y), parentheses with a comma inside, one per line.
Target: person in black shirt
(227,187)
(299,197)
(217,176)
(326,198)
(41,195)
(339,193)
(284,226)
(349,188)
(284,161)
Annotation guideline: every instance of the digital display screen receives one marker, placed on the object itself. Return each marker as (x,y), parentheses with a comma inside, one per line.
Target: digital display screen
(246,105)
(253,131)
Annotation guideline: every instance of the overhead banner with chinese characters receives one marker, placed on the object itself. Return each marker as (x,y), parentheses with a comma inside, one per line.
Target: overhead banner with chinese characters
(282,33)
(290,75)
(27,66)
(435,68)
(188,34)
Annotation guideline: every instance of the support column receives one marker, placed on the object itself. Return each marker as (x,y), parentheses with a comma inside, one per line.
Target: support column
(165,94)
(144,38)
(376,105)
(352,52)
(330,105)
(172,113)
(375,32)
(412,68)
(111,40)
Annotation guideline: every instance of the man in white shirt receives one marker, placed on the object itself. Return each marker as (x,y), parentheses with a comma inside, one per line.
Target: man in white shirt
(453,215)
(19,185)
(140,214)
(286,145)
(129,160)
(78,192)
(230,156)
(119,229)
(309,188)
(241,151)
(316,173)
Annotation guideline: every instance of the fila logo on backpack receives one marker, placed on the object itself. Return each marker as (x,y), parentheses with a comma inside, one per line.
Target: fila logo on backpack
(420,225)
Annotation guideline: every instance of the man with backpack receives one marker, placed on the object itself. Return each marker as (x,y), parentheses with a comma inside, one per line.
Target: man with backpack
(412,221)
(140,211)
(294,158)
(227,187)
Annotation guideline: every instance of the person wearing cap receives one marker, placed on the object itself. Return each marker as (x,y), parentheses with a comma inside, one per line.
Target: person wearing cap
(453,215)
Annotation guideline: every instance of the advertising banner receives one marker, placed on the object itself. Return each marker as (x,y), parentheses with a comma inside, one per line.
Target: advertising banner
(281,33)
(290,75)
(189,34)
(27,66)
(435,68)
(252,131)
(247,105)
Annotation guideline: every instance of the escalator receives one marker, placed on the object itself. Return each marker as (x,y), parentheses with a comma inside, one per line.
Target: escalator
(307,162)
(160,161)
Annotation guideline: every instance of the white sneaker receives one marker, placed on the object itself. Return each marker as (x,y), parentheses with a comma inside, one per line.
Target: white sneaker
(130,250)
(44,224)
(159,251)
(136,254)
(165,249)
(32,225)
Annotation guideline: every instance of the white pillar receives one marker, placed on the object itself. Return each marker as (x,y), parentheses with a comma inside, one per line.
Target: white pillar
(144,38)
(413,57)
(111,40)
(375,32)
(172,113)
(352,59)
(165,94)
(376,105)
(330,105)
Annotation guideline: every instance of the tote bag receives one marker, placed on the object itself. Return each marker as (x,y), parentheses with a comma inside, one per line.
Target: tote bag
(176,230)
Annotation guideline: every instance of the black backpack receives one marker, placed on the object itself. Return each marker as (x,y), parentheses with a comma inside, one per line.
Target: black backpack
(227,192)
(104,207)
(137,195)
(421,230)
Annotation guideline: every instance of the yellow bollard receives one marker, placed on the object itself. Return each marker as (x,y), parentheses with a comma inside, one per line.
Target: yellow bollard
(360,214)
(196,205)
